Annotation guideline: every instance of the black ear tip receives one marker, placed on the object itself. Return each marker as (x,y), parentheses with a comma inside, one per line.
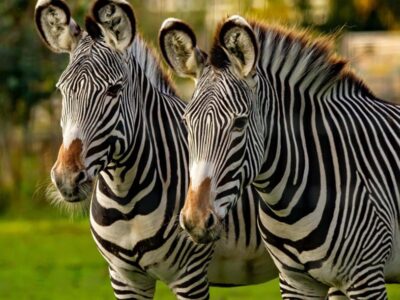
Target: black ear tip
(232,22)
(93,28)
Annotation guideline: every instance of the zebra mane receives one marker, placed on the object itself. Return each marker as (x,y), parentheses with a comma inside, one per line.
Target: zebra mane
(150,63)
(308,54)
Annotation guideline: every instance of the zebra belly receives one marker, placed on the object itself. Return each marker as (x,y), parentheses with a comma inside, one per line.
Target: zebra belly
(240,256)
(233,264)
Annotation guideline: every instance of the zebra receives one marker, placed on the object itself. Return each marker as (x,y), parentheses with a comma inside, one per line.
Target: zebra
(123,139)
(278,110)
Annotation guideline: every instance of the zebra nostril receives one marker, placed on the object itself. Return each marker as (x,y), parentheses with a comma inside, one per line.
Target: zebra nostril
(81,177)
(210,221)
(64,192)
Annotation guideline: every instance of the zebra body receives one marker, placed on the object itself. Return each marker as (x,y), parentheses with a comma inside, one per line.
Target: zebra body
(121,124)
(274,109)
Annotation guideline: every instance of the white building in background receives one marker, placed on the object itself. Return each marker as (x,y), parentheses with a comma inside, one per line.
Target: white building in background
(376,58)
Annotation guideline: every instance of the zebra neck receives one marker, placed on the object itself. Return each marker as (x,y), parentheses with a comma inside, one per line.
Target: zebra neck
(300,163)
(159,119)
(286,163)
(154,162)
(295,75)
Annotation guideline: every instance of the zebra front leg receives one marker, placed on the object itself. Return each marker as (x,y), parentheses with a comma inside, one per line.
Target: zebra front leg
(368,286)
(131,285)
(191,287)
(301,287)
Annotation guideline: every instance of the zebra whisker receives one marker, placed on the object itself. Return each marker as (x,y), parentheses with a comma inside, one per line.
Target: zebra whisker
(74,209)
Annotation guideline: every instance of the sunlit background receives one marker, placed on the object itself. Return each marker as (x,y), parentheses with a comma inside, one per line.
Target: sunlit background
(44,254)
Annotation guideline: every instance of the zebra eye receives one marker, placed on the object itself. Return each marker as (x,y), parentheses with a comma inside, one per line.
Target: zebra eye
(113,90)
(239,123)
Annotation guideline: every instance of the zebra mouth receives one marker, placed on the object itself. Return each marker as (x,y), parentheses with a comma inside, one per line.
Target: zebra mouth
(75,202)
(205,236)
(77,194)
(207,239)
(73,199)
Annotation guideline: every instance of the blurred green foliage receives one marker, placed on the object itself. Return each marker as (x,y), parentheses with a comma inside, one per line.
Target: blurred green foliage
(24,83)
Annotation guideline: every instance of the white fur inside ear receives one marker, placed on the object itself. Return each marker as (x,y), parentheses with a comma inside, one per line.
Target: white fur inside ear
(180,42)
(181,53)
(116,26)
(239,45)
(56,30)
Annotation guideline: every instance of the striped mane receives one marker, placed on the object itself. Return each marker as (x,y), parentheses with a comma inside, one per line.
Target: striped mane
(297,49)
(150,63)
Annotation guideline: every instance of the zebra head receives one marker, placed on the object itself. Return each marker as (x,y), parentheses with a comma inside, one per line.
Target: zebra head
(219,119)
(93,88)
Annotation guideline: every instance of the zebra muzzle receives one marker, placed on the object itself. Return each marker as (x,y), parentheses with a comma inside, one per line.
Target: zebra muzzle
(69,175)
(197,216)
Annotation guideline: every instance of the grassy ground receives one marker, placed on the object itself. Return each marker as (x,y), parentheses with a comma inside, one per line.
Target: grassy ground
(42,260)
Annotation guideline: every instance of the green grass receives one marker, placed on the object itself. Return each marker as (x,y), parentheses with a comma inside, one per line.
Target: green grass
(42,260)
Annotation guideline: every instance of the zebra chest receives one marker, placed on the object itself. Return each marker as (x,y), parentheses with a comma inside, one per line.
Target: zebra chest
(125,233)
(141,250)
(300,227)
(138,230)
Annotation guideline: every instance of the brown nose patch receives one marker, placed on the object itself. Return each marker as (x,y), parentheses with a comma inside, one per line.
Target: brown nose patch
(197,204)
(70,158)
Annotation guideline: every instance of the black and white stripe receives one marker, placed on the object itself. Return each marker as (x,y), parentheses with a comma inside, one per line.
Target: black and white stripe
(136,227)
(122,108)
(321,149)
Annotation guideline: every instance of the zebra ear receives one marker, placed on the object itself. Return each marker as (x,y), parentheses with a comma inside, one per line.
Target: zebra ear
(114,21)
(55,25)
(238,40)
(178,46)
